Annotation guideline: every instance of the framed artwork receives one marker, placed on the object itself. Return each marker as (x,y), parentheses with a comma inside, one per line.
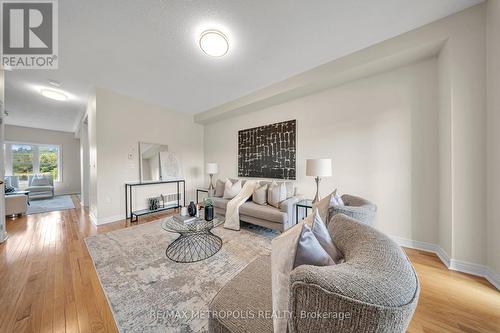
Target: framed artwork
(268,151)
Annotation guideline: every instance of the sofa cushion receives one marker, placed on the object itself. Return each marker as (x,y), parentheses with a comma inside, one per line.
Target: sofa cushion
(310,251)
(276,193)
(249,292)
(268,213)
(40,181)
(290,189)
(220,202)
(40,188)
(231,189)
(323,236)
(260,195)
(219,188)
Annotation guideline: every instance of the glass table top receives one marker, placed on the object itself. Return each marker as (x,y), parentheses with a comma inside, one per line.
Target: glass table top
(200,225)
(305,203)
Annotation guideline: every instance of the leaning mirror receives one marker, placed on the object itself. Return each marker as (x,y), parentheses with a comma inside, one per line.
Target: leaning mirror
(150,161)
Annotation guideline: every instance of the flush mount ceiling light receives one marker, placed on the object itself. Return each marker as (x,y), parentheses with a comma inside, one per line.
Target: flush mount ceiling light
(214,43)
(54,94)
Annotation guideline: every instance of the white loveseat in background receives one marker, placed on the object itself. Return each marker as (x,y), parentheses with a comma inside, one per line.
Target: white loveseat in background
(40,186)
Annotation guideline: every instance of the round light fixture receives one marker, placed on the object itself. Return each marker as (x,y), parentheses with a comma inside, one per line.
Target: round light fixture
(54,94)
(214,43)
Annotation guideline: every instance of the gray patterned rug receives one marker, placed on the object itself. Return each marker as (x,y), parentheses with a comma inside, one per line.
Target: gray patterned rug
(148,292)
(60,202)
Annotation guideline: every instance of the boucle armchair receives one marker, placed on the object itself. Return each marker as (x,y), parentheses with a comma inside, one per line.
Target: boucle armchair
(376,286)
(355,207)
(374,290)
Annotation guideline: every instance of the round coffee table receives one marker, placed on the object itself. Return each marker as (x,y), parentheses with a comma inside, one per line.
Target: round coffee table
(196,241)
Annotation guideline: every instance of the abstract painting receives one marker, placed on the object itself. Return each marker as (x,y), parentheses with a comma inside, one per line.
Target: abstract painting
(268,151)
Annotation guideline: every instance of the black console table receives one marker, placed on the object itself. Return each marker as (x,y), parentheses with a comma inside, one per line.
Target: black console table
(129,202)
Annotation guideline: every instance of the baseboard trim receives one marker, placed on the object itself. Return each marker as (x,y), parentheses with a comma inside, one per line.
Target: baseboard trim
(493,277)
(110,219)
(452,264)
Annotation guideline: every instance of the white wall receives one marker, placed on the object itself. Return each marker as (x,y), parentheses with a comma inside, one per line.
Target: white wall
(70,182)
(92,137)
(380,132)
(84,164)
(493,99)
(117,125)
(3,231)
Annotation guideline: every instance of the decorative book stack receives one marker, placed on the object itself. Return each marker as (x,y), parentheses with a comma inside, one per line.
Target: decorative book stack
(186,219)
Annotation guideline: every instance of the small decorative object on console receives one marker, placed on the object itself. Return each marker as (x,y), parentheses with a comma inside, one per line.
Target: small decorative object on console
(209,209)
(192,209)
(153,203)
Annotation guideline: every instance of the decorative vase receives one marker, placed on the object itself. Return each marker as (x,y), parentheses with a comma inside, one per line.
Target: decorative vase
(209,213)
(192,209)
(153,203)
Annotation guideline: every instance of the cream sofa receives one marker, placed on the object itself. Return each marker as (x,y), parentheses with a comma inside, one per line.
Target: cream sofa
(279,219)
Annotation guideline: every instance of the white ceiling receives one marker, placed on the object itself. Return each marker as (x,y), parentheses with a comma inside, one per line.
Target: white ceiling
(149,50)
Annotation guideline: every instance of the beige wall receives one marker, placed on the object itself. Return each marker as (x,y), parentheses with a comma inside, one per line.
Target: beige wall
(70,183)
(380,132)
(118,124)
(493,99)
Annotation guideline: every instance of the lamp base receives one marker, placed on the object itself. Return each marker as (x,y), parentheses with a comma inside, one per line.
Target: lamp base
(211,186)
(317,197)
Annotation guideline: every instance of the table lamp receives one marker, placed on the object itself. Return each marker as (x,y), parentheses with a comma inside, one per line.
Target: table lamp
(211,169)
(318,168)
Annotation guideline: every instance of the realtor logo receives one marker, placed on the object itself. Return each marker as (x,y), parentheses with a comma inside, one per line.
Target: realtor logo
(29,34)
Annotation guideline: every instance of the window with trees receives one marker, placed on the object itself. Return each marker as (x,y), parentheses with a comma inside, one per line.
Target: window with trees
(23,160)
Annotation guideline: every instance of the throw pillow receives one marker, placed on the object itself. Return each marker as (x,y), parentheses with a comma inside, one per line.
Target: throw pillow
(323,236)
(260,195)
(340,202)
(323,206)
(276,193)
(333,199)
(219,188)
(309,250)
(231,190)
(283,249)
(290,189)
(39,181)
(234,180)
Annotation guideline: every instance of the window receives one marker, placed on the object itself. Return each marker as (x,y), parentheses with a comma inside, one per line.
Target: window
(49,160)
(24,159)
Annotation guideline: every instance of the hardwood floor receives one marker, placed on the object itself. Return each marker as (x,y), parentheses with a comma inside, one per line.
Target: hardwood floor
(48,282)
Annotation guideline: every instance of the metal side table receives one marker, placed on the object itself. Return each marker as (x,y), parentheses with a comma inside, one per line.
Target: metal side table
(306,204)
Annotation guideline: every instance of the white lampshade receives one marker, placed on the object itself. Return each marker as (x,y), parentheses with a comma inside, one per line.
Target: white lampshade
(319,167)
(212,168)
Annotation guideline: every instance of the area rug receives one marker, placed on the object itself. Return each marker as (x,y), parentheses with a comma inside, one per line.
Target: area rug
(60,202)
(148,292)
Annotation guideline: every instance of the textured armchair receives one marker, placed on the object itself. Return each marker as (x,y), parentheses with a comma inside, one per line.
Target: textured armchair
(376,289)
(40,186)
(355,207)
